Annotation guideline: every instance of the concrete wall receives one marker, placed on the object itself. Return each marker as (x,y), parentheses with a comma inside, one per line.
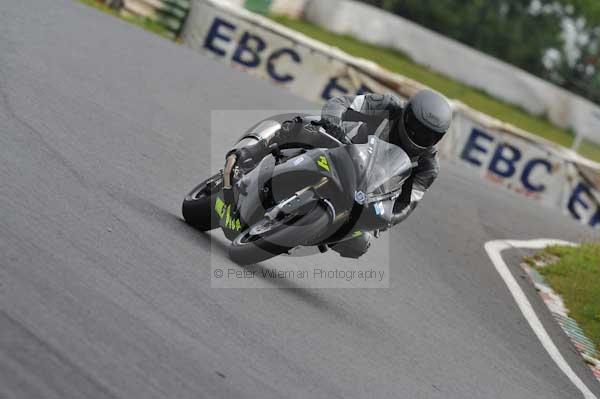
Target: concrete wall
(291,8)
(458,61)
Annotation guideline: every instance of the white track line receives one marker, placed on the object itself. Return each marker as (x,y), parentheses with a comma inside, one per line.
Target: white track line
(494,249)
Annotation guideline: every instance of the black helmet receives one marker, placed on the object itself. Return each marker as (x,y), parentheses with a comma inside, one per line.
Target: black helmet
(425,120)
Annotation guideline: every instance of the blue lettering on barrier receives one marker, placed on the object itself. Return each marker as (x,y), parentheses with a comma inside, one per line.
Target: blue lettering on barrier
(333,85)
(576,199)
(472,145)
(503,164)
(214,34)
(253,52)
(274,57)
(595,220)
(363,89)
(505,161)
(525,177)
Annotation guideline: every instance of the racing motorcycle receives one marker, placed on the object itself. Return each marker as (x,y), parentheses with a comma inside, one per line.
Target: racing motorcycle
(314,192)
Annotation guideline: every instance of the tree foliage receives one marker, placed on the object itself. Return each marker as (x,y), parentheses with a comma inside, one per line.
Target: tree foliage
(527,33)
(581,72)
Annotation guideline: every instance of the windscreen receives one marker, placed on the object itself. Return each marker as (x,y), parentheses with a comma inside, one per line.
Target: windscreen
(382,167)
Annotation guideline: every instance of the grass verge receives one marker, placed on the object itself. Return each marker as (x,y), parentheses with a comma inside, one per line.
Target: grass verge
(145,23)
(574,273)
(395,61)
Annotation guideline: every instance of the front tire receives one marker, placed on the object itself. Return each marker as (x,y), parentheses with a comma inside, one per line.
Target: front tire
(247,249)
(198,208)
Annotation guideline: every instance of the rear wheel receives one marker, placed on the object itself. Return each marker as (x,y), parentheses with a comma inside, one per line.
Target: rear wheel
(198,207)
(267,239)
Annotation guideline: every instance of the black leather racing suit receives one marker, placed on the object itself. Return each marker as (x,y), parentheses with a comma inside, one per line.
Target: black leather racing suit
(357,117)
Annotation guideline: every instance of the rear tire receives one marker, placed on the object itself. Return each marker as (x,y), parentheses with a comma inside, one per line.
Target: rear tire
(198,208)
(246,249)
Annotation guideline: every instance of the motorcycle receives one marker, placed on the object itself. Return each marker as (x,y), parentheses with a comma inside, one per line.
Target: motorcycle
(312,193)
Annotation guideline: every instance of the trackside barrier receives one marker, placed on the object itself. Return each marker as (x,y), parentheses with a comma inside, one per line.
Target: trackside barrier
(170,14)
(526,164)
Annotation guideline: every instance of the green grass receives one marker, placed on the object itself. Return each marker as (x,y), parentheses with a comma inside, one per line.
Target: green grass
(575,275)
(145,23)
(395,61)
(590,150)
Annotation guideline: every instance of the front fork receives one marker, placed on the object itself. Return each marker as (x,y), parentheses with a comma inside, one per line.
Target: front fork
(227,179)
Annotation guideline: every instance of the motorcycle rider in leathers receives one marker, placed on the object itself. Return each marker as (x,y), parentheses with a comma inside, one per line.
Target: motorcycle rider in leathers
(416,127)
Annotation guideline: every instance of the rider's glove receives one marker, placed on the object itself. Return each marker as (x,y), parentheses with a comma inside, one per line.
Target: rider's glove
(290,128)
(248,157)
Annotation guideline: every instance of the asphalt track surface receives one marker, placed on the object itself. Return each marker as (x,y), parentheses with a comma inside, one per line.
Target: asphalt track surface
(105,292)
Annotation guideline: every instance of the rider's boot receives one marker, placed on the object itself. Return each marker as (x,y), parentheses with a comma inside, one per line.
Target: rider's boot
(354,247)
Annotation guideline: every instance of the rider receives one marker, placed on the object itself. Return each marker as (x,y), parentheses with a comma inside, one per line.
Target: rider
(416,127)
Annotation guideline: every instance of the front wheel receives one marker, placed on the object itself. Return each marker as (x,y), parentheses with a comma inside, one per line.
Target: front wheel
(267,239)
(198,206)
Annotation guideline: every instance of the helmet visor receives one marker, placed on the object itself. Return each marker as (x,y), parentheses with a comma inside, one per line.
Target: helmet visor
(418,133)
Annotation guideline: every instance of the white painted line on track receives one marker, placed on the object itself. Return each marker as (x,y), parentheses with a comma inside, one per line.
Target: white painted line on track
(494,250)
